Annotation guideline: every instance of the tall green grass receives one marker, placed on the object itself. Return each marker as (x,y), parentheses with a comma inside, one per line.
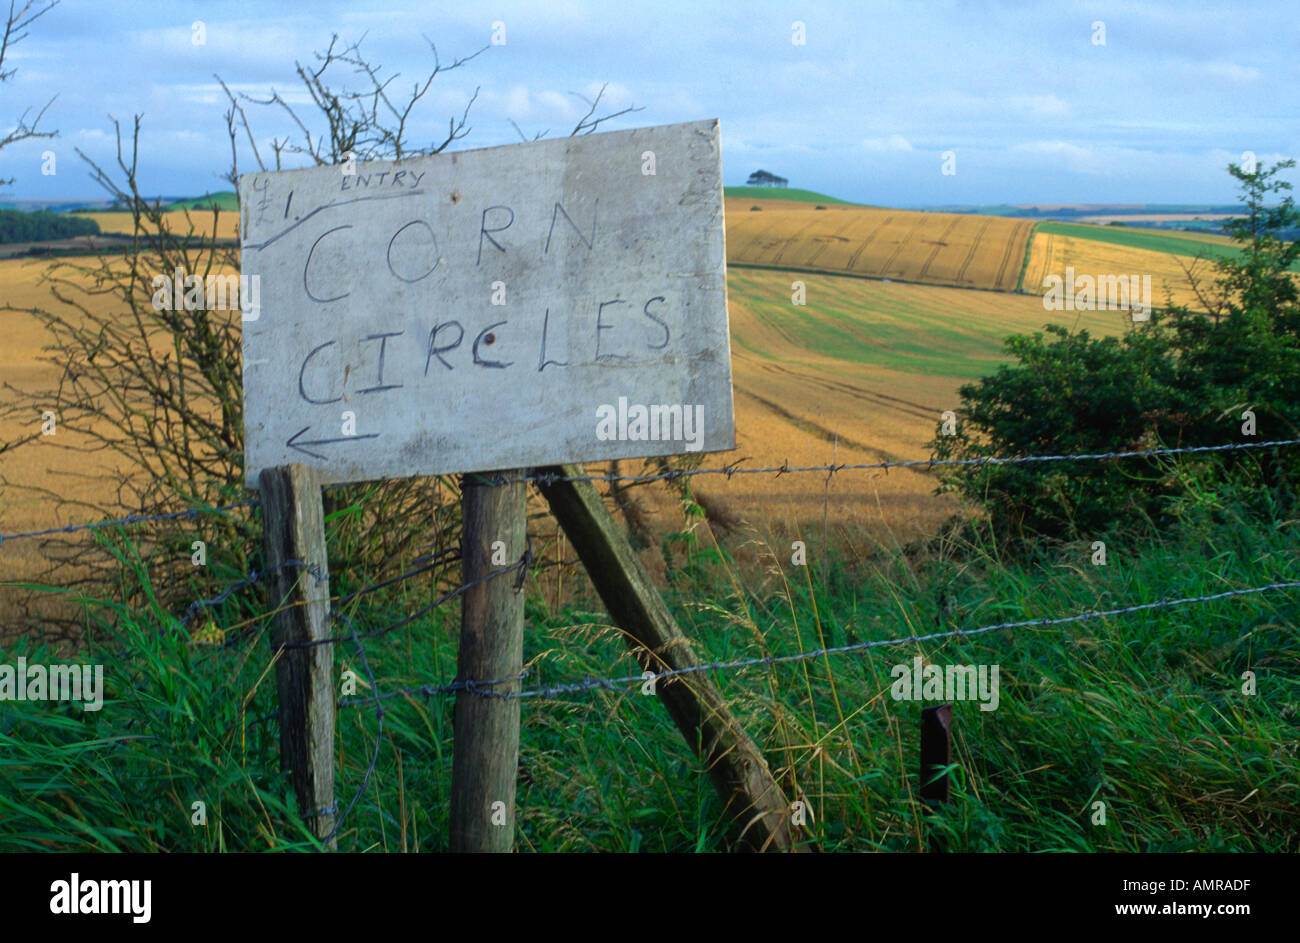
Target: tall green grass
(1142,712)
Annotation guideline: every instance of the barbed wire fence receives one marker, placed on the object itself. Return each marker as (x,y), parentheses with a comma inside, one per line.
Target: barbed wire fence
(728,470)
(486,687)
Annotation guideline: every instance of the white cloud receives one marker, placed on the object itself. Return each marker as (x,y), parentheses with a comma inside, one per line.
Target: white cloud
(1039,106)
(515,103)
(1240,75)
(765,147)
(617,95)
(895,142)
(210,93)
(1072,157)
(679,103)
(1219,158)
(270,43)
(1153,116)
(561,106)
(520,103)
(1108,161)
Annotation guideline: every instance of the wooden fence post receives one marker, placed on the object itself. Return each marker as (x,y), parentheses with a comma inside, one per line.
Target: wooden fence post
(294,530)
(750,794)
(936,751)
(485,756)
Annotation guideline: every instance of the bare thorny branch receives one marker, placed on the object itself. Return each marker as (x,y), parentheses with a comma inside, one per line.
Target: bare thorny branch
(586,124)
(15,31)
(159,390)
(370,124)
(1214,304)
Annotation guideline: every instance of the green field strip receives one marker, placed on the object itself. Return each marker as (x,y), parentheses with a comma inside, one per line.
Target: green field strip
(225,200)
(841,323)
(1151,241)
(1024,263)
(850,320)
(783,193)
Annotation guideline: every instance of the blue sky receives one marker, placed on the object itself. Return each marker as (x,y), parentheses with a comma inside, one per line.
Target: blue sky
(1035,111)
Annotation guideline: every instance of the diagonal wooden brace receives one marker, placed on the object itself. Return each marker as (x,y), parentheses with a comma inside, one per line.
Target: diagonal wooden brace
(752,796)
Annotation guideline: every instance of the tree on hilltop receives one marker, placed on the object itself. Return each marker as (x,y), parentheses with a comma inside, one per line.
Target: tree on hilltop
(761,178)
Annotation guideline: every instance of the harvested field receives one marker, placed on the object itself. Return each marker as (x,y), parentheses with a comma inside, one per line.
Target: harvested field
(178,221)
(860,374)
(960,250)
(1050,253)
(872,362)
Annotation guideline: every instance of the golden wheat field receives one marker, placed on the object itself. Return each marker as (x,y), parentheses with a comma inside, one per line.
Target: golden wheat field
(932,248)
(1051,253)
(177,221)
(860,373)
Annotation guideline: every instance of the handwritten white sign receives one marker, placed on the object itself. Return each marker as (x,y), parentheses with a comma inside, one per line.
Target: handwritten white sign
(555,301)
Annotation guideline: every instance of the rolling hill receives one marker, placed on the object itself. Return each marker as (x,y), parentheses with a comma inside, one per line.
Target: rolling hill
(783,194)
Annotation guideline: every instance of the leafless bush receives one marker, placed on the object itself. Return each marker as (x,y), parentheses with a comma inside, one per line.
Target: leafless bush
(157,391)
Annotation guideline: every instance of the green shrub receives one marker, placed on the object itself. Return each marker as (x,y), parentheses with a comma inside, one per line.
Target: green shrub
(1181,379)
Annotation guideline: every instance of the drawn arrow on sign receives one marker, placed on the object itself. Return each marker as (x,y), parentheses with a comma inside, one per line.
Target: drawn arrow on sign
(293,442)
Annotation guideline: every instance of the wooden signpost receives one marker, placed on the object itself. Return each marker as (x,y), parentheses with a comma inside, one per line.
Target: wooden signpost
(491,647)
(294,536)
(519,307)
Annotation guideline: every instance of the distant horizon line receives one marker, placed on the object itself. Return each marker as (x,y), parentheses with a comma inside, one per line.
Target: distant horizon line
(1026,204)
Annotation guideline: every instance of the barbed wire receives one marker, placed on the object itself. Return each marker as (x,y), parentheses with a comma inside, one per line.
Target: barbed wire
(423,610)
(146,518)
(428,690)
(489,688)
(433,562)
(548,478)
(427,564)
(336,613)
(379,739)
(129,519)
(250,579)
(375,697)
(483,688)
